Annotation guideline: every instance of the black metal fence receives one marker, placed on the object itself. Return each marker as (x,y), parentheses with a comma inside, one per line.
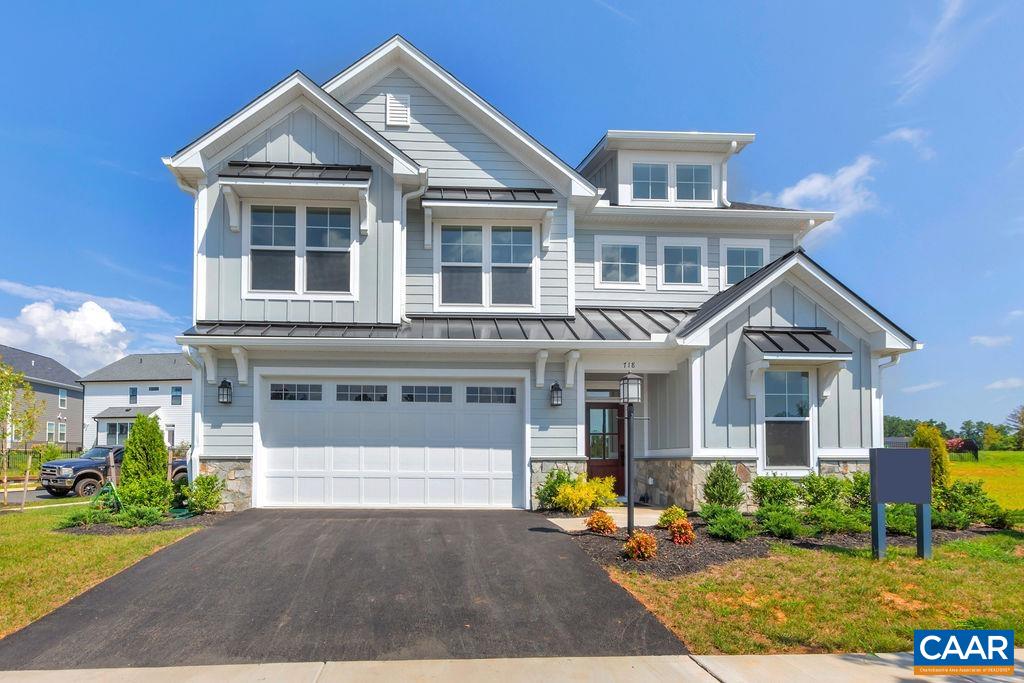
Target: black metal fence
(17,459)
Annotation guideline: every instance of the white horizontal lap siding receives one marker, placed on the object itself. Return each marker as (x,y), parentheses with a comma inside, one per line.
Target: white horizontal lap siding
(102,395)
(456,152)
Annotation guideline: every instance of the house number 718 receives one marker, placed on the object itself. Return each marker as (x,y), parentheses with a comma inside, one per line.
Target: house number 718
(630,365)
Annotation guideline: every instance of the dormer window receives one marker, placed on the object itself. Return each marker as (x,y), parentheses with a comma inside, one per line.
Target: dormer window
(650,181)
(693,182)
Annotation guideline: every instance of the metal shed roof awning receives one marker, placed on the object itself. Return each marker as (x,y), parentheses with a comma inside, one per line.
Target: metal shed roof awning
(797,343)
(489,194)
(280,171)
(127,413)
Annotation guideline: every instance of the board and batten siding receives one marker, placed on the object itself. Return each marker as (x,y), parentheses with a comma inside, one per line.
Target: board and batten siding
(587,295)
(607,176)
(844,418)
(457,153)
(300,137)
(668,399)
(554,266)
(228,429)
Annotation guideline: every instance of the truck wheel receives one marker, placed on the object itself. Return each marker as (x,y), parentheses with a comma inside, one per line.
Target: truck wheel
(180,477)
(57,493)
(86,488)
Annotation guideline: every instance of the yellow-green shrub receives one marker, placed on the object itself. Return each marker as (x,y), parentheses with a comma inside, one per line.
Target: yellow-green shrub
(582,494)
(927,436)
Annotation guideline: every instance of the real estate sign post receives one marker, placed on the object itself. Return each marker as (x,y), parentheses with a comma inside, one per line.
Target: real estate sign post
(901,475)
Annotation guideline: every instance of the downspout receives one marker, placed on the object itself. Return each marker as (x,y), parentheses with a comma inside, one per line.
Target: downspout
(894,359)
(724,173)
(418,192)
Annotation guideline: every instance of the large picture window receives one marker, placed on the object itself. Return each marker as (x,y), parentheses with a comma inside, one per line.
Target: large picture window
(487,266)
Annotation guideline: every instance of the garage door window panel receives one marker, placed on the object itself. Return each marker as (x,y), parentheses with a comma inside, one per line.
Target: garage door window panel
(296,392)
(501,395)
(366,393)
(426,394)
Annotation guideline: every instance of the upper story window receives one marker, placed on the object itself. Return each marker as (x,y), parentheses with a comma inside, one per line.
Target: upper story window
(682,263)
(619,262)
(133,395)
(741,259)
(487,265)
(650,181)
(62,398)
(302,250)
(175,396)
(693,182)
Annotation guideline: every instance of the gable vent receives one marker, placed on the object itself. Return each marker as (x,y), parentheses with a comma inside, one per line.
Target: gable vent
(397,110)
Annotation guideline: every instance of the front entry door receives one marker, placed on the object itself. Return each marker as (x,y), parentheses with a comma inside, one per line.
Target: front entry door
(606,445)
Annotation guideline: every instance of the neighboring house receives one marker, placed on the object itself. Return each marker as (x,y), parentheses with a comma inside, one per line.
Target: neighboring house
(157,384)
(58,387)
(401,298)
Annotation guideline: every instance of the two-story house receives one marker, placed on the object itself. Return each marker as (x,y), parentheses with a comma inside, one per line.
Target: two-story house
(58,388)
(403,299)
(156,384)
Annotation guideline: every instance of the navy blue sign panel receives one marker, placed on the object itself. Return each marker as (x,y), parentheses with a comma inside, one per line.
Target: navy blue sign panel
(901,475)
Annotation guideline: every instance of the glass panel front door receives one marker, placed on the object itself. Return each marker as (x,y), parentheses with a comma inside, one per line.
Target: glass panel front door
(605,443)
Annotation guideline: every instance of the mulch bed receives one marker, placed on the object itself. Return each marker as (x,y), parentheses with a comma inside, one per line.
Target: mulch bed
(706,551)
(111,530)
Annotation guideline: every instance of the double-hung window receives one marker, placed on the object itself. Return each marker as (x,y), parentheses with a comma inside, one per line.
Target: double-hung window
(487,266)
(272,254)
(619,262)
(787,409)
(693,182)
(741,259)
(51,431)
(328,241)
(62,398)
(62,432)
(175,396)
(650,181)
(682,263)
(133,395)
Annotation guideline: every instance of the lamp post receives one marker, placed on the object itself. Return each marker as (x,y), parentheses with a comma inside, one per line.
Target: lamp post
(630,392)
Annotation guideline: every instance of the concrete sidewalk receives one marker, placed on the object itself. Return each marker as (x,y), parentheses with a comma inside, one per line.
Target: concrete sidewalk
(885,668)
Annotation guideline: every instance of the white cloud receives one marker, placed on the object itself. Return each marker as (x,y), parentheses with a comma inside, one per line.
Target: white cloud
(125,308)
(846,192)
(1008,383)
(939,49)
(1015,314)
(915,137)
(916,388)
(991,342)
(83,339)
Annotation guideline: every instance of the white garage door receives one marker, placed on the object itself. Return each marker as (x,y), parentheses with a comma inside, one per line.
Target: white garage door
(412,442)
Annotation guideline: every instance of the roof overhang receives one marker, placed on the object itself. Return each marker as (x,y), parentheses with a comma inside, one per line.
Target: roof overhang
(276,188)
(667,140)
(525,211)
(194,161)
(795,345)
(397,52)
(642,215)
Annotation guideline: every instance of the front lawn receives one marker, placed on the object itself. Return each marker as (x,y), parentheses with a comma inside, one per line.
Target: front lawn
(1002,472)
(41,569)
(839,600)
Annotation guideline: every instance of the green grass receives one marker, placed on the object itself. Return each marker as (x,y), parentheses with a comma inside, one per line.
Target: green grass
(41,569)
(1002,472)
(800,600)
(16,505)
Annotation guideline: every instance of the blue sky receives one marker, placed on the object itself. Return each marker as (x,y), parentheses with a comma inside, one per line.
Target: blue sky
(906,118)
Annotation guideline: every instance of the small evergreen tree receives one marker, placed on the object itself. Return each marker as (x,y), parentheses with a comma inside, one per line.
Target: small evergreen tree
(722,486)
(928,436)
(145,453)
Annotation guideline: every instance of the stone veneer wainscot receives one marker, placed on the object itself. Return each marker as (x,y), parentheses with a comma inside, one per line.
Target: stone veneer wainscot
(237,476)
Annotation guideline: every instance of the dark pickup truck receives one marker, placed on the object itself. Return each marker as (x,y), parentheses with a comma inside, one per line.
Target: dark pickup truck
(85,474)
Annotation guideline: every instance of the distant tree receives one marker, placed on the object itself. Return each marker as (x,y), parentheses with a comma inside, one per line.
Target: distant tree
(1015,421)
(944,430)
(898,426)
(996,438)
(19,411)
(928,436)
(975,431)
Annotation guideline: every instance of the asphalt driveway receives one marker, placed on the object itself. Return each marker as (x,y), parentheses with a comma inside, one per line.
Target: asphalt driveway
(305,585)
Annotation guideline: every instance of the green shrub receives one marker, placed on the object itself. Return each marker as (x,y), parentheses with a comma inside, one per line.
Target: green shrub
(178,488)
(950,519)
(203,495)
(772,491)
(722,486)
(604,491)
(45,452)
(781,521)
(927,436)
(151,491)
(968,498)
(85,516)
(670,515)
(547,491)
(832,518)
(132,516)
(816,489)
(709,511)
(145,453)
(901,518)
(731,526)
(858,494)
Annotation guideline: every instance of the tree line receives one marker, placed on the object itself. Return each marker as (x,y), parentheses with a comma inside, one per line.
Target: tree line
(1007,436)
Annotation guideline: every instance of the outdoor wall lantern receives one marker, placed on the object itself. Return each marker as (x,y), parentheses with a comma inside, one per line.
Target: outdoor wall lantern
(224,392)
(556,394)
(630,388)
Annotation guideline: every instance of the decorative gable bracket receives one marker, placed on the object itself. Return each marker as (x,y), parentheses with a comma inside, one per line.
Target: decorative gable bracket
(234,208)
(829,372)
(545,230)
(755,374)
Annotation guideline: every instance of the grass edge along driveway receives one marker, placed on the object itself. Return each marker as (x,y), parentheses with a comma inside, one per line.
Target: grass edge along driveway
(800,601)
(41,569)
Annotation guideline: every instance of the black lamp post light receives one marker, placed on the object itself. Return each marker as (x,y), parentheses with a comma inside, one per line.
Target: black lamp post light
(224,392)
(556,395)
(631,389)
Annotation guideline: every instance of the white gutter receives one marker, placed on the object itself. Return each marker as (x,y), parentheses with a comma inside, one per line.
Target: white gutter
(418,192)
(894,359)
(395,344)
(724,173)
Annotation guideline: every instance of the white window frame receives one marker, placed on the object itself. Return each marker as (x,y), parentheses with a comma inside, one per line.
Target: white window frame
(627,159)
(639,241)
(669,184)
(811,419)
(62,432)
(487,266)
(711,182)
(62,398)
(723,250)
(699,242)
(130,401)
(180,394)
(51,432)
(299,292)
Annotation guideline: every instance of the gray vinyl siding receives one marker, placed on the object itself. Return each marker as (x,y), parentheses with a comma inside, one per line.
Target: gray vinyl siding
(72,416)
(586,294)
(301,137)
(554,267)
(456,152)
(844,418)
(228,429)
(668,399)
(607,176)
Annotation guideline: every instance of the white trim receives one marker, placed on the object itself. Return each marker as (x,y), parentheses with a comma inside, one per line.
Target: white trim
(674,241)
(487,266)
(581,408)
(639,241)
(669,453)
(843,453)
(261,372)
(299,293)
(62,399)
(570,238)
(811,419)
(696,374)
(726,454)
(724,244)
